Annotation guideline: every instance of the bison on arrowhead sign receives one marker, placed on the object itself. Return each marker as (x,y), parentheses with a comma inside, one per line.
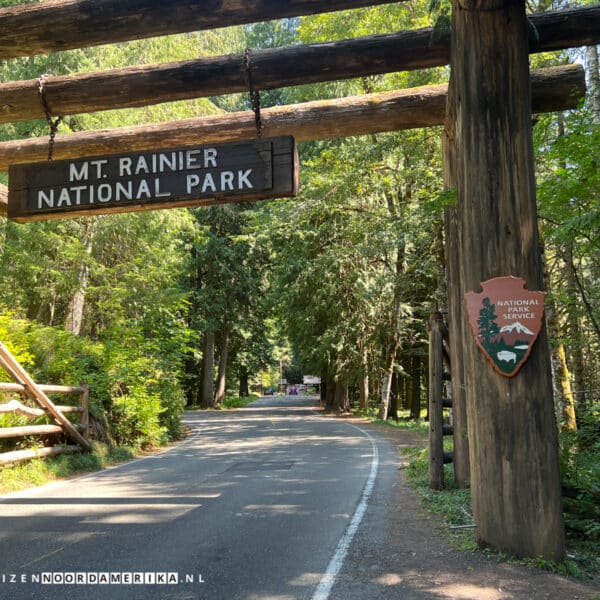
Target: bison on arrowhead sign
(506,320)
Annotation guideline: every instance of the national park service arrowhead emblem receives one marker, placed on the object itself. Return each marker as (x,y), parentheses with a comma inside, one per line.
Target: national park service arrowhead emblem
(506,320)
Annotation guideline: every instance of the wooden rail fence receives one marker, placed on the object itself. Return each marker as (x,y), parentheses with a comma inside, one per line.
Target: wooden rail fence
(26,387)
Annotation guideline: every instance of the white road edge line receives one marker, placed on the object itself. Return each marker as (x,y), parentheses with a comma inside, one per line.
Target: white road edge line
(326,584)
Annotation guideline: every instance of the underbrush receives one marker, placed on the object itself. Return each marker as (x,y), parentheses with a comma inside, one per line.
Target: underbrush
(230,402)
(453,506)
(41,471)
(404,421)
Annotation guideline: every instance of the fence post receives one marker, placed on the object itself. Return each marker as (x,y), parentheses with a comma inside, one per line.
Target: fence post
(85,411)
(436,386)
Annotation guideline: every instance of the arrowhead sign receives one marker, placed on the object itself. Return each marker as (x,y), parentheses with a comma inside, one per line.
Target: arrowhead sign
(506,320)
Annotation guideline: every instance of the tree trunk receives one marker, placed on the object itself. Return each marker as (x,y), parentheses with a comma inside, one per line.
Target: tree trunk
(394,404)
(574,328)
(222,374)
(594,81)
(512,431)
(415,407)
(207,383)
(363,384)
(244,390)
(74,319)
(561,378)
(342,400)
(330,395)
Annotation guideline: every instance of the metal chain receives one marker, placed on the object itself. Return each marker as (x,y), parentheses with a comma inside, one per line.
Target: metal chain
(254,94)
(53,123)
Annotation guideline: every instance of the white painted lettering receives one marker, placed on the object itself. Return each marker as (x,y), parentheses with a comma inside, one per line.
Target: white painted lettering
(77,190)
(143,190)
(166,162)
(105,192)
(141,165)
(210,157)
(227,180)
(125,166)
(64,198)
(99,164)
(208,182)
(243,180)
(81,175)
(192,182)
(191,159)
(47,198)
(157,192)
(124,191)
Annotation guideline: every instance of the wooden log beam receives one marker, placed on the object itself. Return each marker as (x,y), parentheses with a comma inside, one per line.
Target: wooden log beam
(67,24)
(14,406)
(10,432)
(48,389)
(22,455)
(272,68)
(556,88)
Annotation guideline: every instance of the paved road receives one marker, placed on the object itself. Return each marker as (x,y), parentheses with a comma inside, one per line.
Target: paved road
(256,504)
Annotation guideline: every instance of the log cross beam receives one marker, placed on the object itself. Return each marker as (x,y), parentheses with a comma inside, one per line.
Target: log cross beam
(554,88)
(67,24)
(272,68)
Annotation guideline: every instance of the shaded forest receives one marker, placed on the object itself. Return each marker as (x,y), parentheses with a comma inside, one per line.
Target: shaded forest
(162,310)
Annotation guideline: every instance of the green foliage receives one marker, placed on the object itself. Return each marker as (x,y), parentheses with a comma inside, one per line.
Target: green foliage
(453,506)
(237,402)
(40,472)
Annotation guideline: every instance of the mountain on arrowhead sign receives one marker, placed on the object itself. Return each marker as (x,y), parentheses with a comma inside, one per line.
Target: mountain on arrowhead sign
(506,320)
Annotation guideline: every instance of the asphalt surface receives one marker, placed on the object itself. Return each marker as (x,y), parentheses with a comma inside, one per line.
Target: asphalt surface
(253,505)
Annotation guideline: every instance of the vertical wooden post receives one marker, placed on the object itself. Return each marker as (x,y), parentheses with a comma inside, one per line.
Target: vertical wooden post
(512,431)
(85,411)
(455,294)
(436,386)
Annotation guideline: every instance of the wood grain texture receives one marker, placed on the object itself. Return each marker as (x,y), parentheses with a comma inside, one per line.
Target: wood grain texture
(515,482)
(65,24)
(271,68)
(270,166)
(21,455)
(557,88)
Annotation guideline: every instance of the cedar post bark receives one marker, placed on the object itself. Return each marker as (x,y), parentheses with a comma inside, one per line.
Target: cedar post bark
(455,294)
(512,431)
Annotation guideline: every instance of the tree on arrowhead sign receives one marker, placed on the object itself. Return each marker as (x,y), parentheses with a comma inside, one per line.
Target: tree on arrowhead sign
(506,320)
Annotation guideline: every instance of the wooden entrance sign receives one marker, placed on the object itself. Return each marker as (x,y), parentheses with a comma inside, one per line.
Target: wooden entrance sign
(169,178)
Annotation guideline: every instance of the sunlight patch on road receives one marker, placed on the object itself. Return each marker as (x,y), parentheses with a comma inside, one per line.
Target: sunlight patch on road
(307,579)
(462,591)
(275,509)
(143,514)
(388,579)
